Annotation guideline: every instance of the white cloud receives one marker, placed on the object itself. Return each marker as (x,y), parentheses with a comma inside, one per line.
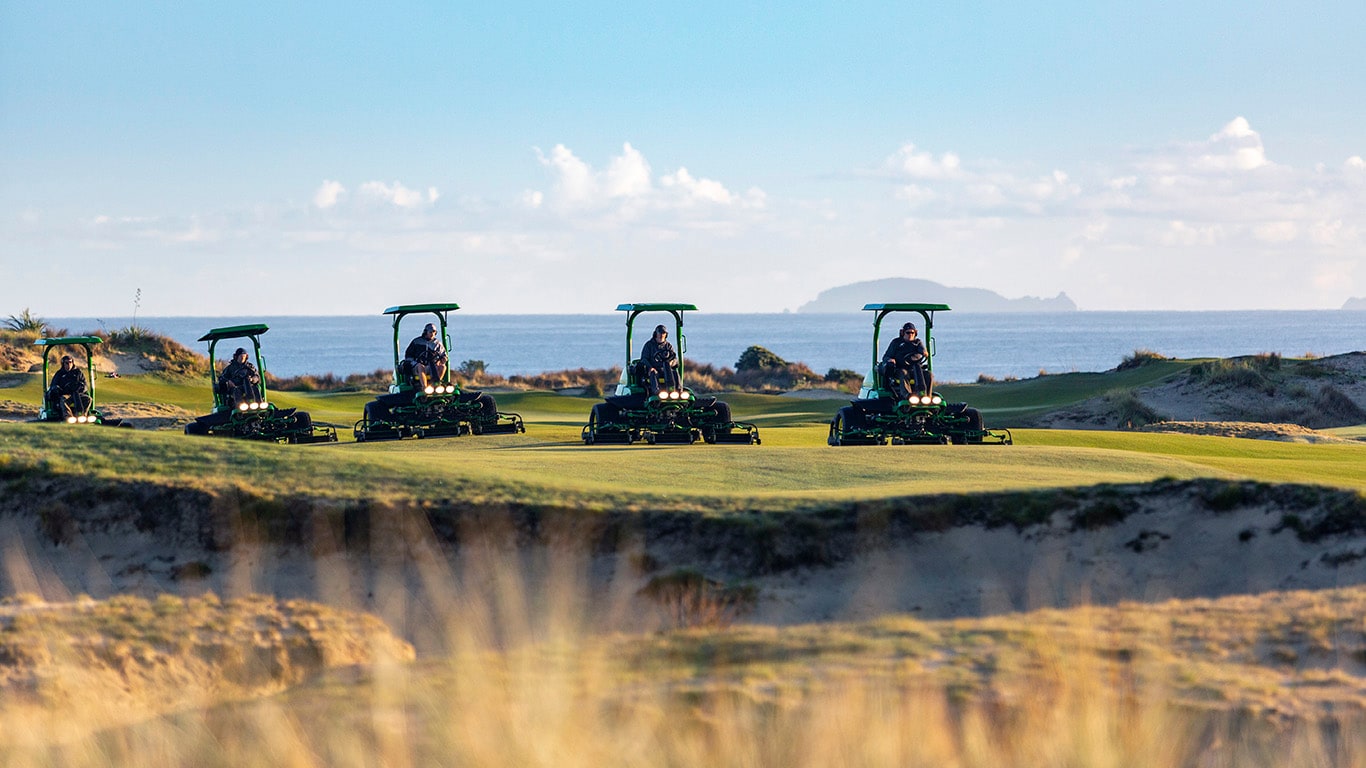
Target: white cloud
(1331,276)
(1179,233)
(627,190)
(329,192)
(1236,147)
(628,175)
(1333,234)
(1211,219)
(697,190)
(916,195)
(575,182)
(398,195)
(1276,231)
(923,165)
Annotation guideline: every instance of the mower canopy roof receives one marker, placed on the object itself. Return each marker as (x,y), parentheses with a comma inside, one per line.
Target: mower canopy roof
(235,332)
(69,340)
(656,307)
(908,307)
(403,309)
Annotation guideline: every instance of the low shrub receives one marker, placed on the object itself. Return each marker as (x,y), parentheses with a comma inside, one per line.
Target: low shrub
(375,381)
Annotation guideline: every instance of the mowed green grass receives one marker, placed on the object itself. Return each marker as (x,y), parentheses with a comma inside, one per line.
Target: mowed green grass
(793,469)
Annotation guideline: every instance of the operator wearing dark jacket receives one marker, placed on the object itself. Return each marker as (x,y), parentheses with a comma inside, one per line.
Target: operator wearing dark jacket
(425,357)
(905,357)
(67,392)
(659,359)
(240,381)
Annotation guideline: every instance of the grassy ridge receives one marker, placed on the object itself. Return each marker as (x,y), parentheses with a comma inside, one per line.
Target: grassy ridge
(793,469)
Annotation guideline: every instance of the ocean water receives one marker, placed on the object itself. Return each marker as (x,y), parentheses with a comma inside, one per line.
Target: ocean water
(966,344)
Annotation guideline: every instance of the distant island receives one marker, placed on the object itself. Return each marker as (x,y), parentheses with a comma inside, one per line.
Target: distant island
(852,297)
(1356,304)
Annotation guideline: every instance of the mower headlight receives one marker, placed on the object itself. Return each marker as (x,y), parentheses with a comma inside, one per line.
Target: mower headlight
(937,400)
(430,390)
(70,419)
(256,406)
(244,407)
(677,395)
(913,399)
(450,389)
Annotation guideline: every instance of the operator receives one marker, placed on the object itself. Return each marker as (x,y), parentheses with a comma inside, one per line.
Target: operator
(425,358)
(67,392)
(905,357)
(240,382)
(659,359)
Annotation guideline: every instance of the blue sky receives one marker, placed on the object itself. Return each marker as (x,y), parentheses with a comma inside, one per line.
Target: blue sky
(336,158)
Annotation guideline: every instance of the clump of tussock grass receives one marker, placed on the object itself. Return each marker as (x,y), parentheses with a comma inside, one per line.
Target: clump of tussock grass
(691,600)
(1129,411)
(1140,358)
(1246,373)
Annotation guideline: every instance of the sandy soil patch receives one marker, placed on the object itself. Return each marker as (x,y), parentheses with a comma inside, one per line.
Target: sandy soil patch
(122,660)
(1291,433)
(149,415)
(1142,545)
(12,410)
(1293,394)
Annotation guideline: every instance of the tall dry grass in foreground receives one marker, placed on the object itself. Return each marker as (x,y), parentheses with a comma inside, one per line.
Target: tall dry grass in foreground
(529,676)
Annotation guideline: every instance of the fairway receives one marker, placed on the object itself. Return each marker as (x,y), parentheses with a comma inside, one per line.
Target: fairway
(793,469)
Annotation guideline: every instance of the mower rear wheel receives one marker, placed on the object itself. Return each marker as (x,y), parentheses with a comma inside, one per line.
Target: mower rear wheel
(839,425)
(974,418)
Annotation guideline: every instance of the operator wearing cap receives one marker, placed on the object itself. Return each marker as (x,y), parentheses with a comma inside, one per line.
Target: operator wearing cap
(659,359)
(905,357)
(425,358)
(240,382)
(67,392)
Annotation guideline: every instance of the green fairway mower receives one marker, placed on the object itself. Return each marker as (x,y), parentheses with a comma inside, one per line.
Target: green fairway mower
(249,414)
(882,413)
(672,415)
(438,408)
(80,408)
